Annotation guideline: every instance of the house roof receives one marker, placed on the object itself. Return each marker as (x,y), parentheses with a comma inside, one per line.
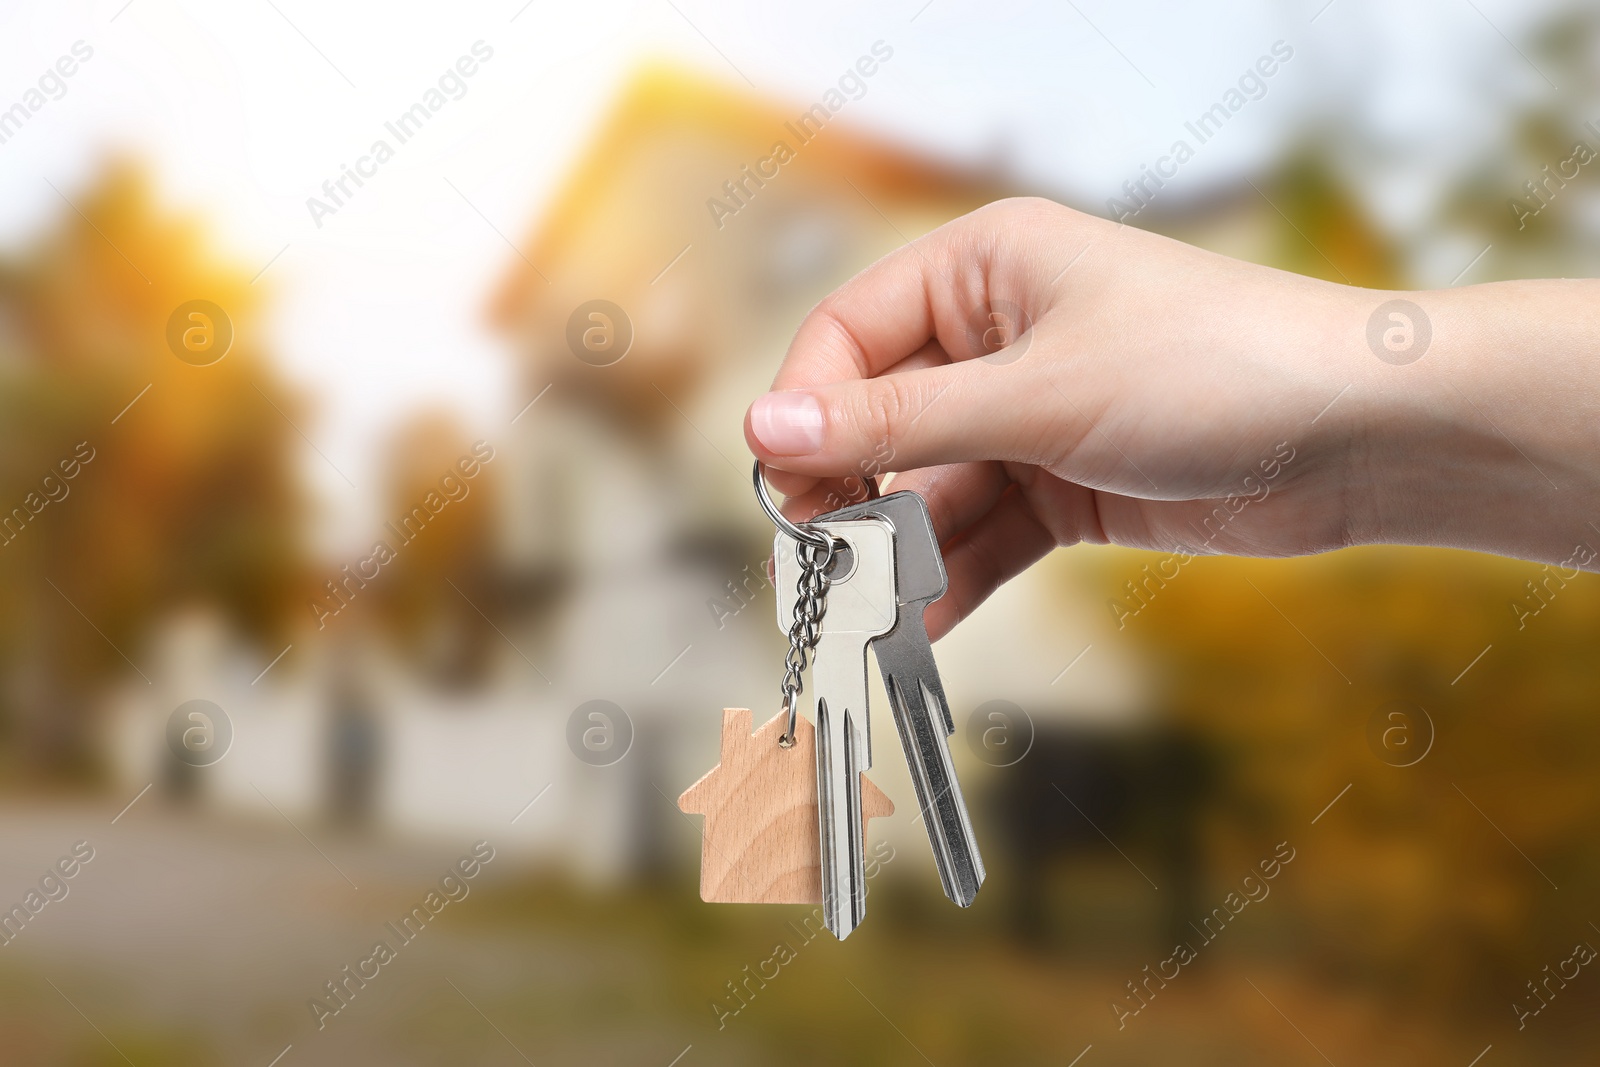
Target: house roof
(666,100)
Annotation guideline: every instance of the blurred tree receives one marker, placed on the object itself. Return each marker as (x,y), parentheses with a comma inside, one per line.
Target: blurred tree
(1532,197)
(1435,879)
(439,524)
(1326,232)
(183,491)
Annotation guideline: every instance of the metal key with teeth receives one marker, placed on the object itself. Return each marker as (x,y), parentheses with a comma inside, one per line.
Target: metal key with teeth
(861,605)
(916,695)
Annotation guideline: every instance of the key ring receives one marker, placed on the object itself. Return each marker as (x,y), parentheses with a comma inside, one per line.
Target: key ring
(806,537)
(802,534)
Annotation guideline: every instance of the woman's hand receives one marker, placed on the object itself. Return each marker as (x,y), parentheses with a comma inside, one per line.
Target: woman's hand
(1043,377)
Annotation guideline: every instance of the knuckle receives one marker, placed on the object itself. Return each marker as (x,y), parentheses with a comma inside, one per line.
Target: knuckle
(1028,208)
(985,570)
(829,323)
(824,314)
(987,563)
(886,405)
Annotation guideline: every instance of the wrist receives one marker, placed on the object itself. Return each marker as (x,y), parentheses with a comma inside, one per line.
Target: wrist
(1484,426)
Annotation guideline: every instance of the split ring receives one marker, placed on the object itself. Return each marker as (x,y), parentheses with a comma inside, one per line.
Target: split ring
(802,533)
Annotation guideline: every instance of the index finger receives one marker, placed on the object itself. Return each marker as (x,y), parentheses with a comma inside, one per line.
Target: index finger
(883,314)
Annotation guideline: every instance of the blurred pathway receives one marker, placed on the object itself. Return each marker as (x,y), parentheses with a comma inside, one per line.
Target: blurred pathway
(189,923)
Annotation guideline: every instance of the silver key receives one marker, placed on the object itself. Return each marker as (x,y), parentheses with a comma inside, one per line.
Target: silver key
(861,605)
(911,678)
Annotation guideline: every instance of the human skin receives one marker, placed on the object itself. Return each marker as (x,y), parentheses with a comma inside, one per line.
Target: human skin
(1155,380)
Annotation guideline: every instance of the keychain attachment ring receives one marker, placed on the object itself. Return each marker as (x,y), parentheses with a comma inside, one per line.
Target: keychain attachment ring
(797,533)
(802,533)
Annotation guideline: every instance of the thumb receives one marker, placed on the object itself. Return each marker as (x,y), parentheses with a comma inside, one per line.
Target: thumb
(954,413)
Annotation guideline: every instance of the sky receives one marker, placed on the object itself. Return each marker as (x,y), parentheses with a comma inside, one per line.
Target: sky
(244,109)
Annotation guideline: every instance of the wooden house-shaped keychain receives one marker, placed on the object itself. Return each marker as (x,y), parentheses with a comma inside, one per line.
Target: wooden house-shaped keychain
(760,843)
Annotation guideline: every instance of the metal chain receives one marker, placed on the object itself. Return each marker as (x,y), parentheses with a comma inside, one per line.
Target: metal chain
(810,605)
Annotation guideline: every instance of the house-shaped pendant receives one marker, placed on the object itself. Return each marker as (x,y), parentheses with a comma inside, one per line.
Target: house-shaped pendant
(760,843)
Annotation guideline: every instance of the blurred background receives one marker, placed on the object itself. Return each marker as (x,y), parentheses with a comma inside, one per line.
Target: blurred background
(345,538)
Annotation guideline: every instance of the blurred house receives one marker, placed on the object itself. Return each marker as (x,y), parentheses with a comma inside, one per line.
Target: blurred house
(623,510)
(713,298)
(629,483)
(627,470)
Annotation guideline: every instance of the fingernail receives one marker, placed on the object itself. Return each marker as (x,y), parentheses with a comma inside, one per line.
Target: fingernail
(787,424)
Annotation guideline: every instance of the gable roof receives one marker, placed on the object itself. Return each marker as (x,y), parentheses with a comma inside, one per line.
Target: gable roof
(664,101)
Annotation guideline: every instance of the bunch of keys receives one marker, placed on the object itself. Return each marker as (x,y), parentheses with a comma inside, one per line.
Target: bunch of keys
(863,576)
